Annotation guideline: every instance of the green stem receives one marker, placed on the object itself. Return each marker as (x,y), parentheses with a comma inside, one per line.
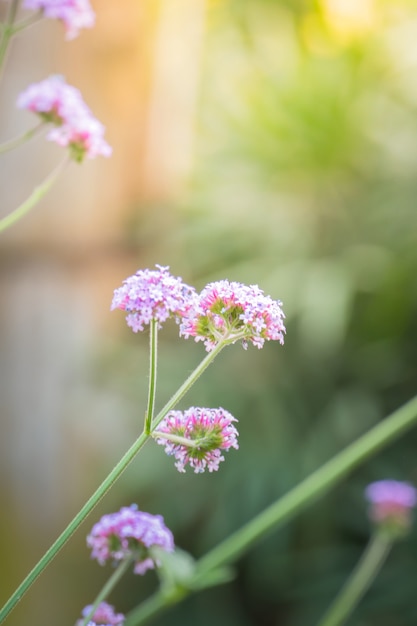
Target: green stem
(287,507)
(182,441)
(149,609)
(112,582)
(315,485)
(32,19)
(17,141)
(209,358)
(361,579)
(36,195)
(72,526)
(153,344)
(103,488)
(7,30)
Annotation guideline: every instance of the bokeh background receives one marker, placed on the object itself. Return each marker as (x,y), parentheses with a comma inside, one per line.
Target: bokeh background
(265,141)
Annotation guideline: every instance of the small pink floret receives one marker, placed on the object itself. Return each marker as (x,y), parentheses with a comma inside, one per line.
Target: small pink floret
(231,311)
(74,125)
(104,615)
(213,427)
(75,14)
(152,294)
(391,500)
(393,491)
(128,532)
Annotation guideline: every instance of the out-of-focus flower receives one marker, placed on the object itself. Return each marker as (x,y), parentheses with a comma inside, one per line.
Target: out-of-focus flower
(74,125)
(231,311)
(75,14)
(197,437)
(129,533)
(391,503)
(152,294)
(104,615)
(84,137)
(54,101)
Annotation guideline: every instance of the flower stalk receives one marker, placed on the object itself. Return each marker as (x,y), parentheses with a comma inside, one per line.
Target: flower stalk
(286,507)
(7,30)
(107,588)
(104,487)
(153,346)
(361,579)
(20,139)
(182,441)
(25,23)
(37,194)
(187,384)
(311,488)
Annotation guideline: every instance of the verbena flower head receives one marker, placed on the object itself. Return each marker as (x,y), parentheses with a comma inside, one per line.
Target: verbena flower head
(104,615)
(129,533)
(75,14)
(391,503)
(229,311)
(152,294)
(63,106)
(209,431)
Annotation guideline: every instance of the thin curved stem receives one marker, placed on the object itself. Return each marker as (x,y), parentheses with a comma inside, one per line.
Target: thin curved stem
(208,359)
(36,195)
(107,588)
(72,526)
(7,30)
(103,489)
(182,441)
(361,579)
(29,21)
(153,353)
(312,487)
(149,609)
(287,507)
(17,141)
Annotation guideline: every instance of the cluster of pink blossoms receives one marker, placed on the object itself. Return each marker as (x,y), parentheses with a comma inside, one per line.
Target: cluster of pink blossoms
(152,294)
(391,503)
(197,437)
(223,311)
(129,533)
(75,14)
(104,615)
(230,311)
(74,125)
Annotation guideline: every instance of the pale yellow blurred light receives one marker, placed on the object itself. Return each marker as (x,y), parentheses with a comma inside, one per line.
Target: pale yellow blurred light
(350,18)
(175,75)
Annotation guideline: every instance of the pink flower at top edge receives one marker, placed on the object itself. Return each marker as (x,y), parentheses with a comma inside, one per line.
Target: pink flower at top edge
(62,105)
(231,311)
(211,429)
(129,533)
(104,615)
(391,503)
(75,14)
(152,294)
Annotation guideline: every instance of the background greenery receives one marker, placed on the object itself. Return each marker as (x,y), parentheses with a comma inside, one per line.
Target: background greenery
(305,183)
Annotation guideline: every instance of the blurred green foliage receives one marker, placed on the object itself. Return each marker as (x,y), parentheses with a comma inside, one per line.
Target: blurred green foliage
(305,184)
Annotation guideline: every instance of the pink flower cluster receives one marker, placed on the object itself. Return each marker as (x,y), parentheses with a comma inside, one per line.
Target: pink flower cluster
(230,311)
(129,533)
(152,294)
(104,615)
(197,437)
(75,14)
(391,503)
(223,312)
(74,125)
